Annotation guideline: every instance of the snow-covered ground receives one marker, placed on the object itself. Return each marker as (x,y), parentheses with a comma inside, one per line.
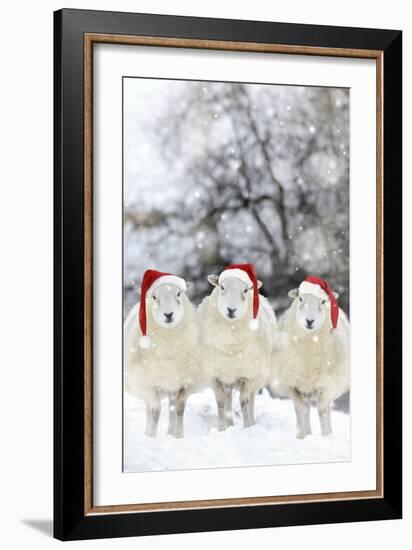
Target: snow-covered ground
(271,441)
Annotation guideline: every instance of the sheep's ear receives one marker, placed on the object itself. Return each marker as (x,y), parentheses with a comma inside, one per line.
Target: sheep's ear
(336,294)
(213,280)
(189,285)
(294,293)
(259,284)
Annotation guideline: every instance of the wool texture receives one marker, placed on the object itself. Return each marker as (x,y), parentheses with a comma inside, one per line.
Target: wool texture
(315,363)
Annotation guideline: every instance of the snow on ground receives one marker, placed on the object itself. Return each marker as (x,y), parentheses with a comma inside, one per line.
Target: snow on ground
(269,442)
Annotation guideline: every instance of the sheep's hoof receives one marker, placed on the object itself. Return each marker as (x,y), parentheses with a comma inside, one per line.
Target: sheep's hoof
(221,428)
(300,435)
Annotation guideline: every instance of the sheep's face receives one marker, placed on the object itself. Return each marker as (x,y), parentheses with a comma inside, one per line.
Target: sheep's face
(233,297)
(167,305)
(310,311)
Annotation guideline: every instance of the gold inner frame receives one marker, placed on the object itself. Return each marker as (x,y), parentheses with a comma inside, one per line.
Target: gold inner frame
(89,40)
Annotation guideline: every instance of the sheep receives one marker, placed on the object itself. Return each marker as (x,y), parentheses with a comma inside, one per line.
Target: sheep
(310,358)
(236,344)
(167,365)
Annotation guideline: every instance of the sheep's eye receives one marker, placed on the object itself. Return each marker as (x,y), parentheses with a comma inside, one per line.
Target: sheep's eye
(178,294)
(221,287)
(323,302)
(154,297)
(300,299)
(246,290)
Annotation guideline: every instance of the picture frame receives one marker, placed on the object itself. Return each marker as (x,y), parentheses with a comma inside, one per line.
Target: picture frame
(76,32)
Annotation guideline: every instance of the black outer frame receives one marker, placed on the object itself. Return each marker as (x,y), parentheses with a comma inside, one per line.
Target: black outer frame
(70,522)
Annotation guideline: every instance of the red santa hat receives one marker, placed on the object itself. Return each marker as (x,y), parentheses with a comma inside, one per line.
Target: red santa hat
(247,274)
(321,289)
(152,279)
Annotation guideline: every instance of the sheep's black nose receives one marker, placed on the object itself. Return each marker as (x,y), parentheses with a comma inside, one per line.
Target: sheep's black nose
(168,317)
(309,323)
(231,312)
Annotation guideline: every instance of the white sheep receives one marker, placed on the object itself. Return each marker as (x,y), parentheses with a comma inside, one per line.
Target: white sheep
(237,328)
(167,363)
(311,358)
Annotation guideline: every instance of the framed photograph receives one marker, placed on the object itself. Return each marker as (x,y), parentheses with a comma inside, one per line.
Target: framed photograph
(227,254)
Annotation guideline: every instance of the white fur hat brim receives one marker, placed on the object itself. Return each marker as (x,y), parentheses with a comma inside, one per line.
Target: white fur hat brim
(237,273)
(168,280)
(313,289)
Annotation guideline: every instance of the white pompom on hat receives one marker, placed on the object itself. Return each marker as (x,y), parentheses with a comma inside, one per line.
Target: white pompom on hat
(247,274)
(152,279)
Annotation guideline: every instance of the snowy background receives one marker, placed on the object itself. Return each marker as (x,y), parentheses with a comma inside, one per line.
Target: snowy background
(220,173)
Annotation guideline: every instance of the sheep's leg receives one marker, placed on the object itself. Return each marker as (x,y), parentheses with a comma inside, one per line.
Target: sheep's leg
(329,421)
(220,401)
(172,414)
(228,406)
(180,410)
(245,404)
(148,418)
(300,414)
(306,415)
(252,407)
(324,416)
(153,408)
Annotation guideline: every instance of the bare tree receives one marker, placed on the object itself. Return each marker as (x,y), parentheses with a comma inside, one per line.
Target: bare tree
(260,174)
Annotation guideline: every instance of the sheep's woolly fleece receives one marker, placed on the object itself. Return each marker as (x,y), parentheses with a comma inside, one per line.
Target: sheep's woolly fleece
(272,441)
(231,349)
(174,360)
(312,362)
